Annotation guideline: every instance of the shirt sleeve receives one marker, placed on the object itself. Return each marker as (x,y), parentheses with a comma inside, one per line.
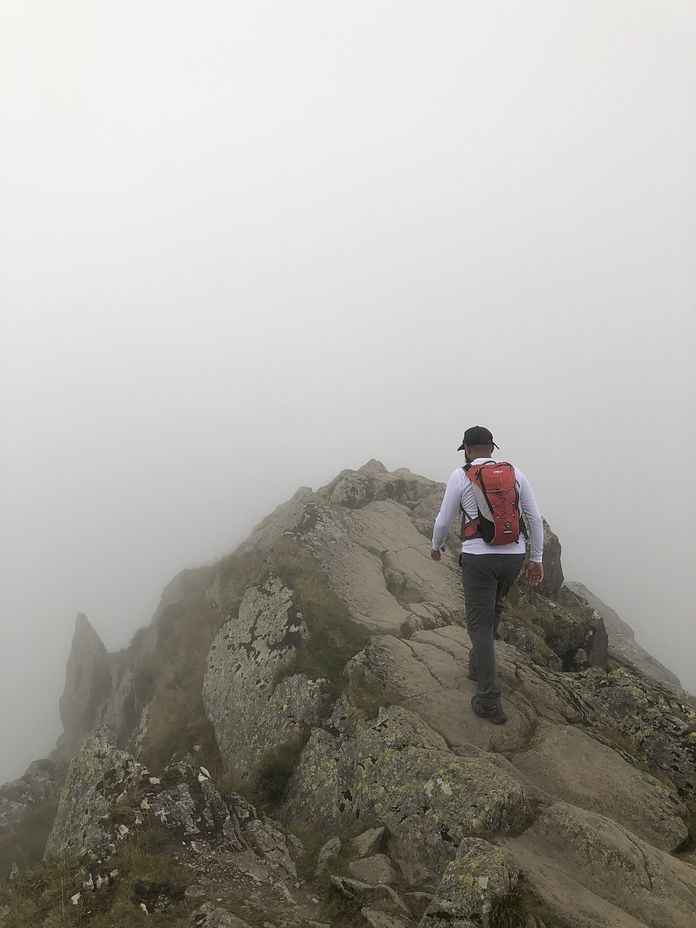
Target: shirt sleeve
(451,503)
(535,523)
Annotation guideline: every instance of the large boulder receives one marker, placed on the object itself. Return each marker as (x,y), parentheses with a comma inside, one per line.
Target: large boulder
(251,696)
(474,888)
(109,796)
(98,777)
(582,862)
(399,772)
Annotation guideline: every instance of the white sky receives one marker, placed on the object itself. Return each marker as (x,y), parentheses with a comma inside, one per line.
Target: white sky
(244,245)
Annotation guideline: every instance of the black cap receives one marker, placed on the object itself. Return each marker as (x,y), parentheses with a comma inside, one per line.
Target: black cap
(477,435)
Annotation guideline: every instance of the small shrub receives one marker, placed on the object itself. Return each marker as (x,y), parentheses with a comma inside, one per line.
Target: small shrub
(521,908)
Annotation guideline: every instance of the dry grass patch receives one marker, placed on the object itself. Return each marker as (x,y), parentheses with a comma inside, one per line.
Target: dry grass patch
(147,875)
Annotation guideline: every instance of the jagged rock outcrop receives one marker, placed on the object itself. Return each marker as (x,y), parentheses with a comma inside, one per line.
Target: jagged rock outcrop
(27,809)
(41,783)
(252,698)
(99,691)
(107,788)
(328,656)
(623,646)
(88,685)
(98,777)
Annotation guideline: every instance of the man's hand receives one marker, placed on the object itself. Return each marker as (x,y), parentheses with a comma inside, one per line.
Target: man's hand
(534,573)
(436,554)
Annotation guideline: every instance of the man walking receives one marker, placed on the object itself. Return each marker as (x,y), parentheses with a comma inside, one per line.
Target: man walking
(488,571)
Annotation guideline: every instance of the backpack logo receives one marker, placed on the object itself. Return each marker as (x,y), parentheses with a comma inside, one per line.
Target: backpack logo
(499,521)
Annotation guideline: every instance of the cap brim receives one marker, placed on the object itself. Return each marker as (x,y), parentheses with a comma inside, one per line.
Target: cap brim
(463,446)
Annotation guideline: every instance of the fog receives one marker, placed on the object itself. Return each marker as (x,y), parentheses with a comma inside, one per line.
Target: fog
(246,245)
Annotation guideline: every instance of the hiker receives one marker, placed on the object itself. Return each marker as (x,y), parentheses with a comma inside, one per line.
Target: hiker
(493,551)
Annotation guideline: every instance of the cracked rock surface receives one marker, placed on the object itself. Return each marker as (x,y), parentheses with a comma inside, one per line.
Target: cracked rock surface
(251,696)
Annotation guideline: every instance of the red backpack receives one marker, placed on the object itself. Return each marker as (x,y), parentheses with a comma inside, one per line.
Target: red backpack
(498,499)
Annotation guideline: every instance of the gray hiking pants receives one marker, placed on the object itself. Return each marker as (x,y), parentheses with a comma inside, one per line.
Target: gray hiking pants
(486,579)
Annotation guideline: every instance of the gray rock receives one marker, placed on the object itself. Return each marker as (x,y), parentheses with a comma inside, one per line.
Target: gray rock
(329,850)
(553,571)
(27,808)
(88,685)
(644,719)
(41,783)
(585,864)
(375,869)
(399,771)
(378,919)
(107,788)
(359,891)
(379,564)
(208,916)
(98,777)
(622,643)
(477,882)
(250,694)
(368,842)
(570,765)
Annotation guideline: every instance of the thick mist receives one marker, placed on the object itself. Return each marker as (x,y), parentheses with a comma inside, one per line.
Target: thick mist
(245,246)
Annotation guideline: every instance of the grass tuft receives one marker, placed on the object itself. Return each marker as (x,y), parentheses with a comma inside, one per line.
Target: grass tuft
(521,908)
(334,636)
(147,873)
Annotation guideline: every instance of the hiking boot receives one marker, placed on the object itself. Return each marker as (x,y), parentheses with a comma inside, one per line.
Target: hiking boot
(493,714)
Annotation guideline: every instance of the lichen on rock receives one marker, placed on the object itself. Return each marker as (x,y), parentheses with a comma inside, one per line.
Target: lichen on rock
(97,778)
(474,885)
(251,696)
(399,772)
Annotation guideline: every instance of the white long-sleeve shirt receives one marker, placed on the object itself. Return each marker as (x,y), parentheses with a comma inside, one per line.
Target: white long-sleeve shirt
(460,495)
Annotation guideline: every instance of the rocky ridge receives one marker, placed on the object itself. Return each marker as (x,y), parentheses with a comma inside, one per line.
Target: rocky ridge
(322,670)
